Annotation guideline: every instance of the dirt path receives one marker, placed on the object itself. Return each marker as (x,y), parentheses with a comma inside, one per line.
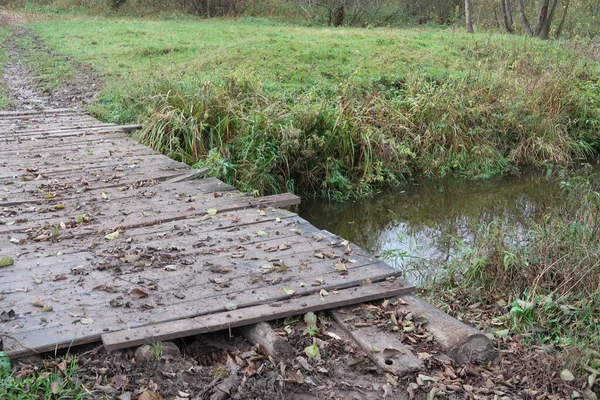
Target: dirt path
(23,84)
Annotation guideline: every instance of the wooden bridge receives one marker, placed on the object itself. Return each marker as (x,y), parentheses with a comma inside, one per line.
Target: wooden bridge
(104,238)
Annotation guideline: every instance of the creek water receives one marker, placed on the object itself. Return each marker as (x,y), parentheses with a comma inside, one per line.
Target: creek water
(426,221)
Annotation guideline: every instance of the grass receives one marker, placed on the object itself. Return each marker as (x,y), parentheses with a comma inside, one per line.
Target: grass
(338,112)
(5,33)
(53,380)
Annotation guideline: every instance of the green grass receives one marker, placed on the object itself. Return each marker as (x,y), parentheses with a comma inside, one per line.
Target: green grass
(58,379)
(5,33)
(338,112)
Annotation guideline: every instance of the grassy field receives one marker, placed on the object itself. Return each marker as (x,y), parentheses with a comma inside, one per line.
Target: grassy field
(4,35)
(338,112)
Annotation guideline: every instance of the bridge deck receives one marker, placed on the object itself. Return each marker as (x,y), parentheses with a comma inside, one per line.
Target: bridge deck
(107,235)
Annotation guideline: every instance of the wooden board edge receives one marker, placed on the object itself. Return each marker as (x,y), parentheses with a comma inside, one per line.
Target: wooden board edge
(252,315)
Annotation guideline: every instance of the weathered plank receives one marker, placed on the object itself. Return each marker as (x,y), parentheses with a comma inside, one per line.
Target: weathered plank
(251,315)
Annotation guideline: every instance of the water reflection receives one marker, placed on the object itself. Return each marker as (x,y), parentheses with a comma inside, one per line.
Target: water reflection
(421,220)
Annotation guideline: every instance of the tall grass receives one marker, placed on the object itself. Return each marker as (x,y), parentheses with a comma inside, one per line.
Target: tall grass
(372,133)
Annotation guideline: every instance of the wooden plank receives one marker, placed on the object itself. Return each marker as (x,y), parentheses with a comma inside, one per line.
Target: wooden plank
(194,174)
(165,308)
(10,114)
(131,221)
(298,258)
(14,136)
(251,315)
(384,348)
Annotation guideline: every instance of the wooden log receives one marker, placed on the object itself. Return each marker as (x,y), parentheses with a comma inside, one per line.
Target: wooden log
(384,348)
(462,342)
(263,335)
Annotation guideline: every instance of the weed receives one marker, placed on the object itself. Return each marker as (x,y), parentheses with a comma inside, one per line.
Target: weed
(158,351)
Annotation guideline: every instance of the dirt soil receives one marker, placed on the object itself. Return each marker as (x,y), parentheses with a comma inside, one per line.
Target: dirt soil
(23,85)
(223,365)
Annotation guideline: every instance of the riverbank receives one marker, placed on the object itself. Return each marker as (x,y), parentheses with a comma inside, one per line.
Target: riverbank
(337,113)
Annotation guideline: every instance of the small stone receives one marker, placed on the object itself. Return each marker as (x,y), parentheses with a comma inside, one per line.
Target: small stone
(161,351)
(144,353)
(170,351)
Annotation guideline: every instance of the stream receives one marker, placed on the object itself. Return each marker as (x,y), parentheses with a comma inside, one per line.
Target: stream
(426,221)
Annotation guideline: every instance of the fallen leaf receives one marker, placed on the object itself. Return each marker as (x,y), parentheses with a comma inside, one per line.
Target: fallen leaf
(149,395)
(87,321)
(212,211)
(6,262)
(77,312)
(313,352)
(139,293)
(567,375)
(261,233)
(112,236)
(131,258)
(289,292)
(333,335)
(55,387)
(38,303)
(231,306)
(341,267)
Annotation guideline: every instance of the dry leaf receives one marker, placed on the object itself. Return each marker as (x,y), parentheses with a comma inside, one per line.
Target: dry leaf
(149,395)
(139,293)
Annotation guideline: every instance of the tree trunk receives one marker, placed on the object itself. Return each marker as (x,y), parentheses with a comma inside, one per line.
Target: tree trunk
(563,18)
(544,33)
(468,17)
(542,15)
(524,19)
(339,13)
(508,18)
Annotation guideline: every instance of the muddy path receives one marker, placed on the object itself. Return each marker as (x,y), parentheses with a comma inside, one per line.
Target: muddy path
(23,85)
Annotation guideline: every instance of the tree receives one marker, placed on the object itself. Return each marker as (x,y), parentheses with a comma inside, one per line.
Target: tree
(545,16)
(468,17)
(507,13)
